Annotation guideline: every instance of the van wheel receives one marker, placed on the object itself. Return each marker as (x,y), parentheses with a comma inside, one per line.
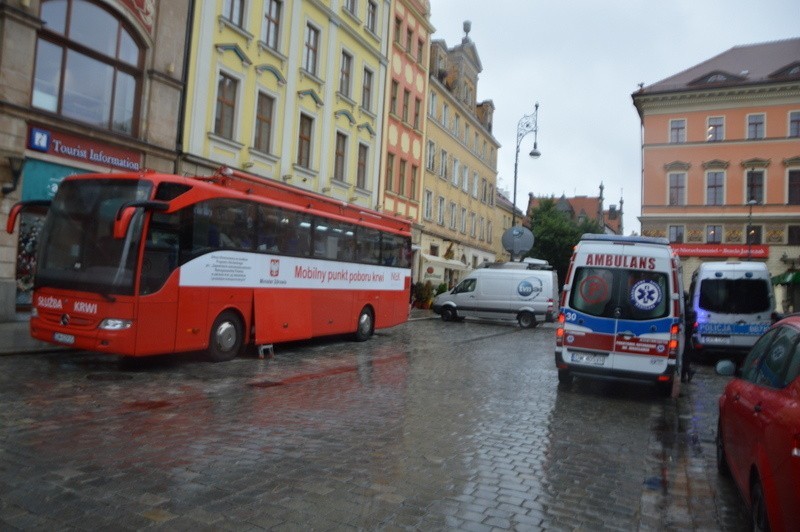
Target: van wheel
(526,320)
(564,377)
(226,338)
(365,326)
(449,314)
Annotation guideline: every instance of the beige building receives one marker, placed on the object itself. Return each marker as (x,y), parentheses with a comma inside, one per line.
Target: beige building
(721,161)
(459,229)
(91,86)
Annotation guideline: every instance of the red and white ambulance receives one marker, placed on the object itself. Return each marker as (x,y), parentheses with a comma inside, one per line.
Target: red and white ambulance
(622,312)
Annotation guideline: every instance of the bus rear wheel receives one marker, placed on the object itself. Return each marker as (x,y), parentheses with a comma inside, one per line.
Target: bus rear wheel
(366,325)
(226,337)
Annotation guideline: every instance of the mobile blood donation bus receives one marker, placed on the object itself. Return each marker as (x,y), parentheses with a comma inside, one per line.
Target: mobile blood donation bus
(621,312)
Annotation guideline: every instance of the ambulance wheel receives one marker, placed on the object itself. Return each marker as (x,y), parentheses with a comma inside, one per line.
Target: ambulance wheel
(526,320)
(226,339)
(564,377)
(449,314)
(366,325)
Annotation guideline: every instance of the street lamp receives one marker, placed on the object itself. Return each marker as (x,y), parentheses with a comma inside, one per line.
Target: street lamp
(750,204)
(527,124)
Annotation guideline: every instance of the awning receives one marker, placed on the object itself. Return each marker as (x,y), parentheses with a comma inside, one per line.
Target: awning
(451,264)
(788,277)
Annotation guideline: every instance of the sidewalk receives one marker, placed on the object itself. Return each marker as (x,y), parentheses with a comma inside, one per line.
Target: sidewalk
(15,337)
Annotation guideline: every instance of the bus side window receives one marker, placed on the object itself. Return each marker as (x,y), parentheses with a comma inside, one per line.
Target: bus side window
(160,252)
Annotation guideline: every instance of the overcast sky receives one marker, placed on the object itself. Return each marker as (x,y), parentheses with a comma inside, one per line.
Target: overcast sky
(582,60)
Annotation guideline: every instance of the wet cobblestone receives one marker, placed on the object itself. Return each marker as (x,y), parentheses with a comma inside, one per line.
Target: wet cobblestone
(428,426)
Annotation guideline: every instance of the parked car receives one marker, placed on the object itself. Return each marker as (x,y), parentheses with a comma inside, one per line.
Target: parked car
(758,433)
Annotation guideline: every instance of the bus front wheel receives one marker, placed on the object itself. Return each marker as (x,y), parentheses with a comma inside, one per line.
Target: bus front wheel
(366,325)
(226,337)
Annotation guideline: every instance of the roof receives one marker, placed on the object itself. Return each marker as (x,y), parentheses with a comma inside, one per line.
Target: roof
(586,207)
(769,62)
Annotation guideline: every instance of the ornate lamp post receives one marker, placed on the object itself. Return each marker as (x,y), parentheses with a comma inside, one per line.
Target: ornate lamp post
(527,124)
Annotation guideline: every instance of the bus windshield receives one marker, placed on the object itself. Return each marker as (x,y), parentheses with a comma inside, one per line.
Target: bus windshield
(77,249)
(734,296)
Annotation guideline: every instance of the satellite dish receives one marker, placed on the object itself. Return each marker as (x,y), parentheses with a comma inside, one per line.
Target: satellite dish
(517,240)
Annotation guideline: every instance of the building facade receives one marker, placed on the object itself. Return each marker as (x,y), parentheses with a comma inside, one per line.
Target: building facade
(405,117)
(721,159)
(460,178)
(86,86)
(289,91)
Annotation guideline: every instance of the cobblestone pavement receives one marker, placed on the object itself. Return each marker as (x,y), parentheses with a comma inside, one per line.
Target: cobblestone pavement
(427,426)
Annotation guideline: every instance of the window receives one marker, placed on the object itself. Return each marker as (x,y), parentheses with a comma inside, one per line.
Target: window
(414,181)
(445,115)
(677,189)
(716,129)
(427,204)
(794,124)
(456,171)
(263,140)
(457,125)
(406,96)
(463,220)
(676,234)
(677,131)
(401,178)
(398,25)
(432,104)
(393,98)
(311,50)
(484,190)
(794,187)
(272,23)
(431,163)
(226,106)
(715,190)
(372,16)
(608,293)
(304,141)
(340,157)
(773,361)
(366,90)
(389,172)
(489,237)
(473,225)
(754,234)
(465,179)
(755,186)
(232,10)
(440,211)
(409,39)
(443,164)
(713,234)
(793,235)
(345,74)
(361,171)
(453,215)
(755,127)
(420,50)
(475,183)
(351,6)
(417,105)
(88,66)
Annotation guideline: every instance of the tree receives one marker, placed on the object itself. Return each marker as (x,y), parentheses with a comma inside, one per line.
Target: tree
(556,234)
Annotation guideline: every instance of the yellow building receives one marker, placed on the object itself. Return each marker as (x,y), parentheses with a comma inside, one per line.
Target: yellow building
(458,198)
(290,91)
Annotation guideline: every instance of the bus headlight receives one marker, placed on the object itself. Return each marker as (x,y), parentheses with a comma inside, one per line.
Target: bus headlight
(113,324)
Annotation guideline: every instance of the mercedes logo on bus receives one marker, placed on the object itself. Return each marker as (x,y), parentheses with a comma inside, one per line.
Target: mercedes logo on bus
(65,319)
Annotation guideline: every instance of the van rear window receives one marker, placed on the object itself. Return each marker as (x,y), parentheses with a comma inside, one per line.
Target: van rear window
(734,296)
(620,293)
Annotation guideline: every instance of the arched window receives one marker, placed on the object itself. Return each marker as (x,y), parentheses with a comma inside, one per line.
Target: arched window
(88,66)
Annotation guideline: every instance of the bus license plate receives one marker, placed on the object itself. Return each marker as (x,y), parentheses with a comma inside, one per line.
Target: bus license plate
(64,338)
(586,358)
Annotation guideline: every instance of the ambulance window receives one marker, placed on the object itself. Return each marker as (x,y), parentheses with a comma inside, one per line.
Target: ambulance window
(646,295)
(593,288)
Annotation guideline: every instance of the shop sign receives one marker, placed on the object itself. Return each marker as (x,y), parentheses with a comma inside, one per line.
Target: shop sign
(740,251)
(82,149)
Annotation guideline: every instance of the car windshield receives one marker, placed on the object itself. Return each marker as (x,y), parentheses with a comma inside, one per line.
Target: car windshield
(77,248)
(734,296)
(620,293)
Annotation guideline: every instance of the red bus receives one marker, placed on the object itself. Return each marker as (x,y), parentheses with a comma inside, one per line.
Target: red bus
(140,264)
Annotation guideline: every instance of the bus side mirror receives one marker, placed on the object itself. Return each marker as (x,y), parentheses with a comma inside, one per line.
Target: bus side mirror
(128,209)
(15,211)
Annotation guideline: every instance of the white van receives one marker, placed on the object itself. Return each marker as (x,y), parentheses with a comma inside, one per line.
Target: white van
(529,296)
(732,304)
(622,311)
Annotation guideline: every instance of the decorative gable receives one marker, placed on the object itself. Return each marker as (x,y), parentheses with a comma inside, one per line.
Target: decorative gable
(791,71)
(717,77)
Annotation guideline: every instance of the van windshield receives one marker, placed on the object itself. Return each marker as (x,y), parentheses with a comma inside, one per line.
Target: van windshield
(734,296)
(620,293)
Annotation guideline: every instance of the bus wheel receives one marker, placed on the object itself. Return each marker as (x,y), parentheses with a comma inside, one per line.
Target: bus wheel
(526,320)
(366,325)
(226,337)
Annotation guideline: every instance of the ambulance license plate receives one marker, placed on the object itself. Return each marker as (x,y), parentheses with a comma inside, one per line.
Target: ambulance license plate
(587,358)
(64,338)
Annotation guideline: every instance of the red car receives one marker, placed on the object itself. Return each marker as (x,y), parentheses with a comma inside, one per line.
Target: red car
(758,434)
